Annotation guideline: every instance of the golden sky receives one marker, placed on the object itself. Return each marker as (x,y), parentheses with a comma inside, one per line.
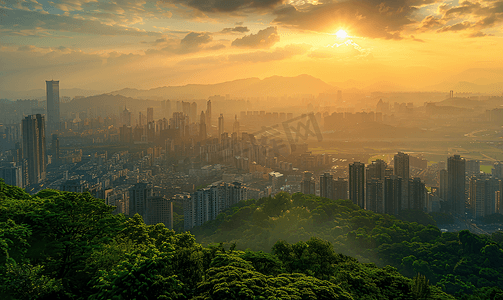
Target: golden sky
(109,45)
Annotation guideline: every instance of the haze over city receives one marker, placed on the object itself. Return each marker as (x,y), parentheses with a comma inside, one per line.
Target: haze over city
(251,149)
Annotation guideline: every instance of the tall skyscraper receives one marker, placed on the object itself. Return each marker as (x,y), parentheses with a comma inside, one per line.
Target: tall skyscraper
(202,126)
(208,116)
(150,114)
(235,126)
(220,125)
(126,117)
(53,115)
(401,169)
(456,184)
(357,183)
(482,195)
(327,186)
(472,167)
(159,210)
(34,147)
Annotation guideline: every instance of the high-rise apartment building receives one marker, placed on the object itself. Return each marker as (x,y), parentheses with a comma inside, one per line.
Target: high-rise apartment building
(33,127)
(357,183)
(456,199)
(392,195)
(308,185)
(482,195)
(138,195)
(374,199)
(417,194)
(159,210)
(377,169)
(401,169)
(53,114)
(55,149)
(443,184)
(207,203)
(327,186)
(12,174)
(472,167)
(340,189)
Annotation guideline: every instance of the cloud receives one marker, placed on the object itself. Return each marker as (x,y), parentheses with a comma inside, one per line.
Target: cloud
(472,17)
(237,29)
(276,54)
(226,6)
(265,38)
(192,42)
(14,22)
(367,18)
(343,51)
(416,39)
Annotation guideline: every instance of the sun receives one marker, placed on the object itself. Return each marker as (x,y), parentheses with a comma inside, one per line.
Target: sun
(341,34)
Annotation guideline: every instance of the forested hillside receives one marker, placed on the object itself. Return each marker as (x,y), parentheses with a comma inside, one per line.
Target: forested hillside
(61,245)
(461,263)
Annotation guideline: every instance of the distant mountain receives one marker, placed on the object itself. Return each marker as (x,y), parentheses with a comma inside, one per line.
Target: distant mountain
(275,86)
(40,93)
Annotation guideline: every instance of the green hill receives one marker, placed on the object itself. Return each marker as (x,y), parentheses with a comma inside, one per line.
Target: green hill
(461,263)
(61,245)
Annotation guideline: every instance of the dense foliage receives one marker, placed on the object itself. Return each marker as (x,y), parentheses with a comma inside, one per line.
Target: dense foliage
(61,245)
(463,264)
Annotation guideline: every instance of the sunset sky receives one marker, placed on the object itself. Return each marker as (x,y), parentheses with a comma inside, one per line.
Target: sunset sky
(109,45)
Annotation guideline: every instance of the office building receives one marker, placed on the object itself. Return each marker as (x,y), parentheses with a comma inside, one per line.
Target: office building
(55,149)
(456,199)
(53,114)
(208,116)
(357,183)
(33,127)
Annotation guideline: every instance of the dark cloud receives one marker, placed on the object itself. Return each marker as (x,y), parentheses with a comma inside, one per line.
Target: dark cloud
(416,39)
(265,38)
(481,15)
(15,21)
(225,6)
(237,29)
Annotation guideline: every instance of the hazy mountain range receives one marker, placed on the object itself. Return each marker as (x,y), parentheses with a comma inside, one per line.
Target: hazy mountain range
(481,80)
